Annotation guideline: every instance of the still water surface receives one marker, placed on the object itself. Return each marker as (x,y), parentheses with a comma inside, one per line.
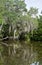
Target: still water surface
(21,53)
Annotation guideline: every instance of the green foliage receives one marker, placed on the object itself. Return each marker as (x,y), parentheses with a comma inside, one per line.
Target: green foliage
(33,11)
(11,12)
(14,13)
(10,7)
(37,34)
(5,30)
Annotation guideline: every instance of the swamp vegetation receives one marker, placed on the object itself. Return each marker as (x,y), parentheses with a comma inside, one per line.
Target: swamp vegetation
(20,34)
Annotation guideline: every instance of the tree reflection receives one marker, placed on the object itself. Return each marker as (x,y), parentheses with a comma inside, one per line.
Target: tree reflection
(21,53)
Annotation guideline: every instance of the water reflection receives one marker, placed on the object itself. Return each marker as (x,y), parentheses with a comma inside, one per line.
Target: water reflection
(21,53)
(35,63)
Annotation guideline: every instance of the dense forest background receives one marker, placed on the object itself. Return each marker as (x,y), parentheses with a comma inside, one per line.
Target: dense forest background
(15,19)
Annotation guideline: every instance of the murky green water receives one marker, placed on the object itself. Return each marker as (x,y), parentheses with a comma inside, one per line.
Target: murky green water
(21,53)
